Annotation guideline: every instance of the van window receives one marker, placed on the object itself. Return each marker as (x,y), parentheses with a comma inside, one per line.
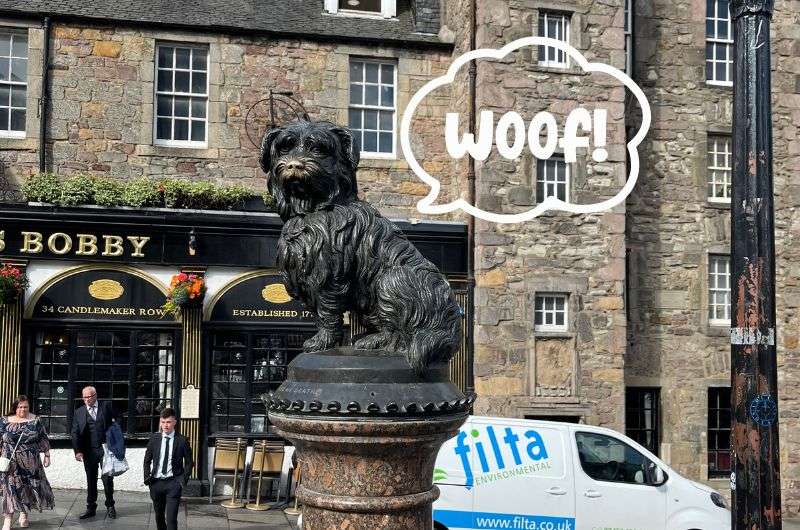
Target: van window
(608,459)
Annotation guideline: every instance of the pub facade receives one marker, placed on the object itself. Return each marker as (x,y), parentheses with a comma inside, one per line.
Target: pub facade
(93,315)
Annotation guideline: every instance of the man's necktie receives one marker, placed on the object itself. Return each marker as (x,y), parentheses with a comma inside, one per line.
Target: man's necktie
(166,458)
(93,412)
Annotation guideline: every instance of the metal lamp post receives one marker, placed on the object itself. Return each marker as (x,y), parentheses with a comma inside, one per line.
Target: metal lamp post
(755,477)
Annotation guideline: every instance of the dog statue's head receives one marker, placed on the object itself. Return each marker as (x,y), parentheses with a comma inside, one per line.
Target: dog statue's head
(311,166)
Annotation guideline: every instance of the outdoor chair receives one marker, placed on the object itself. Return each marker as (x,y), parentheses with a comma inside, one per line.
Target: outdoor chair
(229,460)
(267,464)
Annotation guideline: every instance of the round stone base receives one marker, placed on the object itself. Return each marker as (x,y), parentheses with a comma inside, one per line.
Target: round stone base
(367,474)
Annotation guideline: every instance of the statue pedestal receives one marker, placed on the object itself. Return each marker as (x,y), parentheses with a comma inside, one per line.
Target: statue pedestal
(367,431)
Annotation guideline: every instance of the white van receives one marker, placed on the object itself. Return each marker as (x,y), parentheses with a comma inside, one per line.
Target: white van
(539,475)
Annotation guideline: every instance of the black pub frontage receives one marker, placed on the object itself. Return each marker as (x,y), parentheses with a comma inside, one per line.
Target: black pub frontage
(93,314)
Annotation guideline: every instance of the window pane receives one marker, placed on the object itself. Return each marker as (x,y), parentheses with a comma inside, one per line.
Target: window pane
(371,119)
(182,107)
(19,69)
(181,81)
(385,142)
(182,58)
(198,83)
(198,131)
(181,130)
(164,129)
(371,95)
(165,57)
(354,118)
(356,94)
(370,141)
(371,72)
(387,96)
(356,71)
(19,46)
(387,74)
(199,59)
(164,106)
(4,69)
(198,108)
(5,45)
(386,121)
(5,94)
(165,80)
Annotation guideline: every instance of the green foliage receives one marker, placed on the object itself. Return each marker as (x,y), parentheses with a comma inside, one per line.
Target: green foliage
(107,192)
(140,192)
(77,190)
(268,199)
(42,187)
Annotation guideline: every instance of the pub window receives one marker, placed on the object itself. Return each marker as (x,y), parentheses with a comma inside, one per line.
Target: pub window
(384,8)
(719,43)
(13,83)
(552,178)
(719,290)
(181,96)
(719,432)
(641,417)
(246,366)
(554,26)
(550,312)
(132,369)
(371,114)
(720,168)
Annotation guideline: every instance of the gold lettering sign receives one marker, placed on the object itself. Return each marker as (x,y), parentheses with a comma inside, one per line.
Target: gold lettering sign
(60,244)
(276,293)
(106,289)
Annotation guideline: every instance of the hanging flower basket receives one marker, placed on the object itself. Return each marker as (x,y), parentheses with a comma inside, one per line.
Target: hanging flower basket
(185,290)
(13,283)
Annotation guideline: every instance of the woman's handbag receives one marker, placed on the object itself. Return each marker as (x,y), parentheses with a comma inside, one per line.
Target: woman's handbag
(5,463)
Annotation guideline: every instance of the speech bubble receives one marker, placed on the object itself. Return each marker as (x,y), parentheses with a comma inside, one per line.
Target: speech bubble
(426,205)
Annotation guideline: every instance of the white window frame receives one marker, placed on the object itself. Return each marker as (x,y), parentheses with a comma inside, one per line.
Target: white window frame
(542,31)
(350,106)
(719,298)
(550,170)
(714,41)
(388,9)
(628,29)
(552,312)
(720,168)
(12,32)
(190,144)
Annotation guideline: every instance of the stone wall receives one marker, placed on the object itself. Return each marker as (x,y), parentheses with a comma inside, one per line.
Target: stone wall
(672,230)
(520,372)
(102,107)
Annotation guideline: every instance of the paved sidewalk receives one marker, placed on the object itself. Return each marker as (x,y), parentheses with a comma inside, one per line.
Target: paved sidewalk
(135,512)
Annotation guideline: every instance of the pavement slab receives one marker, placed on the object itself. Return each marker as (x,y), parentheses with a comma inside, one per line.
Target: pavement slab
(135,512)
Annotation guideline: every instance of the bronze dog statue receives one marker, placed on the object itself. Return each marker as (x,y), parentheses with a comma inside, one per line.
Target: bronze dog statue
(338,254)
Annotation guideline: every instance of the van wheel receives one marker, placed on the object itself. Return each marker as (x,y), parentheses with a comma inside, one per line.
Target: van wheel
(439,526)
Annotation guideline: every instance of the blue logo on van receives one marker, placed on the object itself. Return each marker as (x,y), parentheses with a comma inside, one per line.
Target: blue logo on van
(535,450)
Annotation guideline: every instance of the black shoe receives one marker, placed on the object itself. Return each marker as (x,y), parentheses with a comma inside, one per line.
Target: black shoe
(87,514)
(112,513)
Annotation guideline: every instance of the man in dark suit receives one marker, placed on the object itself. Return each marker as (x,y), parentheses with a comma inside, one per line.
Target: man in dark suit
(89,426)
(167,467)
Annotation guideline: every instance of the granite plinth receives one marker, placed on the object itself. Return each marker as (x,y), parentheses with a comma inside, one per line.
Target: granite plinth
(367,430)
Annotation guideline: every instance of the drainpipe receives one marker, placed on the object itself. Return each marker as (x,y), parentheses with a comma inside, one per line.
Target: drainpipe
(44,101)
(473,75)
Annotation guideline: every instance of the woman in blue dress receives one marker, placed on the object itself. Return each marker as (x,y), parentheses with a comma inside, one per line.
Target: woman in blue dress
(24,486)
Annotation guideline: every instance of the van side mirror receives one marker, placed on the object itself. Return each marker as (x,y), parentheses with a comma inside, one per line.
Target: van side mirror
(657,475)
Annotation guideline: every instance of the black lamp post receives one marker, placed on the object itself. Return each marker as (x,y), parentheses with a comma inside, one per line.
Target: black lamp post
(755,478)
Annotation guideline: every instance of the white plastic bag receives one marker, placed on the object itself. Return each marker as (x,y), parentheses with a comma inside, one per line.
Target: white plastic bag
(111,465)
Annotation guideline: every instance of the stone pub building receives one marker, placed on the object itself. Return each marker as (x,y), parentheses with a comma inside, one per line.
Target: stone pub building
(616,319)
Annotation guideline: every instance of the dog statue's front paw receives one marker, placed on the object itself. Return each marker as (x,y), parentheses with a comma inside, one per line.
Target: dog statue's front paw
(323,340)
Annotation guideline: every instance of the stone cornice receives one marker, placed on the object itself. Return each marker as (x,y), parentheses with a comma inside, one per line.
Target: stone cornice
(752,7)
